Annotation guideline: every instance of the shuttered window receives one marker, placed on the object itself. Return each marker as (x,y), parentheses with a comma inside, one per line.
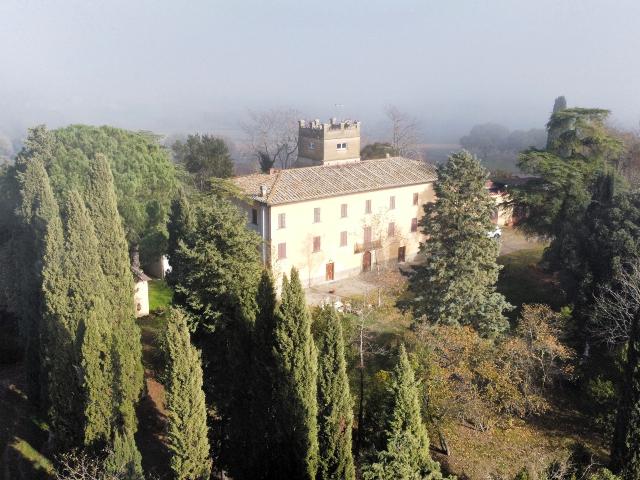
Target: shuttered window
(343,239)
(316,244)
(282,251)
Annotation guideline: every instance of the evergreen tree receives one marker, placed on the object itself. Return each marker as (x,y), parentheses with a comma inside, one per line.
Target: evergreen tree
(118,295)
(625,451)
(204,157)
(456,282)
(186,409)
(125,460)
(407,447)
(180,227)
(217,285)
(37,211)
(261,456)
(81,376)
(335,407)
(296,407)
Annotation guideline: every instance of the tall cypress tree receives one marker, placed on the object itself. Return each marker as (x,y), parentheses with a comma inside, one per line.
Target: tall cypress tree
(37,211)
(456,282)
(180,226)
(118,295)
(261,457)
(335,407)
(186,410)
(407,445)
(296,407)
(81,376)
(625,451)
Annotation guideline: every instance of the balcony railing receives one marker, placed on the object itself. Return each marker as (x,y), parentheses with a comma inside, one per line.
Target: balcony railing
(364,246)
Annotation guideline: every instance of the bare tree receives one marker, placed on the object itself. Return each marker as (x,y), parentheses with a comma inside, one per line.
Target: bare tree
(77,465)
(363,339)
(272,137)
(615,306)
(404,133)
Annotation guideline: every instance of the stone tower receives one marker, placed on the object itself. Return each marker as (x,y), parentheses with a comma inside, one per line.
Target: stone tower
(332,143)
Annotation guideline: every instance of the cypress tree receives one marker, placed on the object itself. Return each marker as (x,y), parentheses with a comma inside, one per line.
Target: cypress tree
(625,451)
(186,410)
(37,211)
(407,444)
(125,460)
(87,317)
(456,282)
(262,458)
(81,376)
(118,296)
(335,407)
(180,226)
(296,407)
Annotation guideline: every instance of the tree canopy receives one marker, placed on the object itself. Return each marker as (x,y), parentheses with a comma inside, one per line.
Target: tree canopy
(204,157)
(144,176)
(456,282)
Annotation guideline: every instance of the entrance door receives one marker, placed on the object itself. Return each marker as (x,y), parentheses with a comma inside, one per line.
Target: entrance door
(366,261)
(401,254)
(329,272)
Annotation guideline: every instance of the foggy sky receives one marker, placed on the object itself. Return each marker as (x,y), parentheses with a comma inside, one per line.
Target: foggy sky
(184,65)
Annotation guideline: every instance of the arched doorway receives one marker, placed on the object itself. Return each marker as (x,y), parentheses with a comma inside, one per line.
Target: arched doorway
(366,261)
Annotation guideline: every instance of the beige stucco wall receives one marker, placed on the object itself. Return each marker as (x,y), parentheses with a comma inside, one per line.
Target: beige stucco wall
(300,230)
(141,298)
(324,143)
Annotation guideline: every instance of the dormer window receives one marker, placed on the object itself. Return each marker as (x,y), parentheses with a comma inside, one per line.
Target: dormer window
(341,146)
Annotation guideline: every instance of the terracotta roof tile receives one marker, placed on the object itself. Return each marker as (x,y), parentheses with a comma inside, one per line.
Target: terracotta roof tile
(307,183)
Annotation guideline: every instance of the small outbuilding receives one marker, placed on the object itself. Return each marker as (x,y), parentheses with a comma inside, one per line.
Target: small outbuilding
(141,291)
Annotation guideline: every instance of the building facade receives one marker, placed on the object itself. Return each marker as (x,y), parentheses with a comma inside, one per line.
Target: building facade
(339,218)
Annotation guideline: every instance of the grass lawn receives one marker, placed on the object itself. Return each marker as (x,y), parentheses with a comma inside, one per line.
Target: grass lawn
(160,295)
(523,281)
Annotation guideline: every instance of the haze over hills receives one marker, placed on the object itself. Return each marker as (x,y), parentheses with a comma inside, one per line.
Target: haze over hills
(175,68)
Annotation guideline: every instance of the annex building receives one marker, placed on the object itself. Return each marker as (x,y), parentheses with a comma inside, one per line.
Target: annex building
(340,215)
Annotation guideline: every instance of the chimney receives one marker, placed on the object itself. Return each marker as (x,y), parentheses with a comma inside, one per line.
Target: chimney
(135,258)
(263,190)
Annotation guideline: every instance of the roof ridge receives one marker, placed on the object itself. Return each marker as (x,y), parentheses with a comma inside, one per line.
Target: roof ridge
(273,185)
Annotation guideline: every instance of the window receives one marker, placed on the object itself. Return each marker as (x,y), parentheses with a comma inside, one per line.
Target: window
(367,235)
(343,210)
(312,145)
(254,216)
(415,199)
(316,215)
(367,206)
(282,251)
(316,244)
(391,229)
(343,239)
(414,224)
(282,220)
(392,202)
(341,146)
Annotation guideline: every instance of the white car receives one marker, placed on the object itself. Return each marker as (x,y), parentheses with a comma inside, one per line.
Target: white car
(495,233)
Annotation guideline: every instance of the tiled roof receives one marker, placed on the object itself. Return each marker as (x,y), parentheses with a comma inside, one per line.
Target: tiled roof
(307,183)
